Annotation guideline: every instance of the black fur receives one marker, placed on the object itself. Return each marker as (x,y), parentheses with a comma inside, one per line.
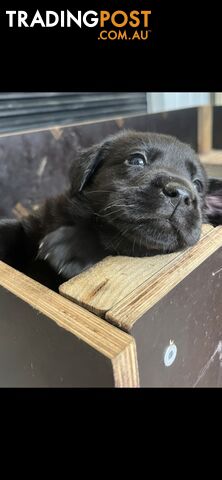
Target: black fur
(116,205)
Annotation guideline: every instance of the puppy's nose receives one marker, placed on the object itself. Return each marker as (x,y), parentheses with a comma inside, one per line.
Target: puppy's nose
(178,193)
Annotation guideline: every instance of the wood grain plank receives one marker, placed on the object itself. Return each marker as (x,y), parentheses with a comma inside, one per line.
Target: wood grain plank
(114,344)
(205,122)
(214,157)
(108,282)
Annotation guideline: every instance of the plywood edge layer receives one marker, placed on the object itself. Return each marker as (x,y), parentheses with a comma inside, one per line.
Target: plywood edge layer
(126,377)
(105,338)
(127,312)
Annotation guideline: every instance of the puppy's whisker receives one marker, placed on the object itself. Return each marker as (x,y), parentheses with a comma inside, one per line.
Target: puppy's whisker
(116,205)
(97,191)
(114,243)
(123,233)
(122,237)
(110,213)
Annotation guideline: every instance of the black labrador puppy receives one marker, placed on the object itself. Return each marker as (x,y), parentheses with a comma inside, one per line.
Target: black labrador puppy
(134,194)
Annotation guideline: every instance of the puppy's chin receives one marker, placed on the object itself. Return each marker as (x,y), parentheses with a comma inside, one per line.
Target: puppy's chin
(187,227)
(187,236)
(167,236)
(156,236)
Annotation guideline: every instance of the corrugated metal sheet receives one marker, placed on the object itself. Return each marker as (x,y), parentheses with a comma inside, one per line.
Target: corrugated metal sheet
(24,111)
(165,101)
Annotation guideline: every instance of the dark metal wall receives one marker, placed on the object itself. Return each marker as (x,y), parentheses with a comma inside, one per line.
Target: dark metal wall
(21,111)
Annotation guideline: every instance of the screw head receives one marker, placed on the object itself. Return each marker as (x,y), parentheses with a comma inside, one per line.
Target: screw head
(170,354)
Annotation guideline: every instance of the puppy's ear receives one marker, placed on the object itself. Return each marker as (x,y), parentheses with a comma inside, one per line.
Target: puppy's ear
(84,167)
(213,202)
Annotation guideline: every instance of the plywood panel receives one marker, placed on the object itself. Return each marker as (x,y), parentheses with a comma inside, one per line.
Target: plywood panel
(35,352)
(113,347)
(189,317)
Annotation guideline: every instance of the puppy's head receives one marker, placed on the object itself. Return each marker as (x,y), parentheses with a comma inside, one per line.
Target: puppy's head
(148,191)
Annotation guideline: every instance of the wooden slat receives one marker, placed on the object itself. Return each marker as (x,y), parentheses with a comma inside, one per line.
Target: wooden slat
(107,283)
(205,128)
(106,339)
(214,157)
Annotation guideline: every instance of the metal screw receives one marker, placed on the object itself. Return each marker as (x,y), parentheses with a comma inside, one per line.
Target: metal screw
(170,354)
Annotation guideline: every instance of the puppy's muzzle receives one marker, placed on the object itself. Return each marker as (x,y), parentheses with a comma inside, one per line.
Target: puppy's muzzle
(178,193)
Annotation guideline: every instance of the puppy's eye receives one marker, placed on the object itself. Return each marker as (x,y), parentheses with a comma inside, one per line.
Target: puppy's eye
(198,184)
(137,160)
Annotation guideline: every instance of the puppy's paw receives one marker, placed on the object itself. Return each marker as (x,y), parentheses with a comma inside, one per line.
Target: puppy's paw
(58,248)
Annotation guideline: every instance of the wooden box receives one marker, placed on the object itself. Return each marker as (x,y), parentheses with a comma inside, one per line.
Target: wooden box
(170,304)
(126,322)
